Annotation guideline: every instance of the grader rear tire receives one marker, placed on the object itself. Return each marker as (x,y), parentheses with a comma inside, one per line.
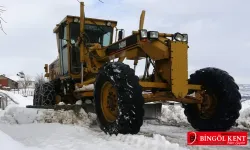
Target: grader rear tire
(222,99)
(118,99)
(44,94)
(47,94)
(36,97)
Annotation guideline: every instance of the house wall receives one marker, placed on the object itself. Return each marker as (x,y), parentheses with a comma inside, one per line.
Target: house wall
(6,82)
(3,82)
(12,84)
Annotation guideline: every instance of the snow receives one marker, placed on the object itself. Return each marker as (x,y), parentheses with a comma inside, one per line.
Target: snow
(26,129)
(50,129)
(21,100)
(117,70)
(62,137)
(29,123)
(179,135)
(18,115)
(173,115)
(79,102)
(17,78)
(7,143)
(61,103)
(14,78)
(89,87)
(244,119)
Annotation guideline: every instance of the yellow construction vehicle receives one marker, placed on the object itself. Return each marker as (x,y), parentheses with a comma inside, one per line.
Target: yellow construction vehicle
(90,67)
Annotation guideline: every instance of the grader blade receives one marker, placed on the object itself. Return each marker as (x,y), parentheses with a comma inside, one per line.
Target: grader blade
(76,108)
(56,107)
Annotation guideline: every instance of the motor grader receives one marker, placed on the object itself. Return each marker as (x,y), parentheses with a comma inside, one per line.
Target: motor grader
(90,67)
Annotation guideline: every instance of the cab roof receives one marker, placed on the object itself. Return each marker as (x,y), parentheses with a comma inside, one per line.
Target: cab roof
(87,20)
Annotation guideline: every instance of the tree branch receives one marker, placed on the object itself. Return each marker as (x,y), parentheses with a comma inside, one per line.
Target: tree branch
(1,19)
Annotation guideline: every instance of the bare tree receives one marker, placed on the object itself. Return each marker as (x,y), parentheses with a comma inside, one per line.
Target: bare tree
(2,9)
(40,79)
(25,82)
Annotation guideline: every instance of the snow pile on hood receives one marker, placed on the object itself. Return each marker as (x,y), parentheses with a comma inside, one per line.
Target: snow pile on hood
(173,115)
(19,115)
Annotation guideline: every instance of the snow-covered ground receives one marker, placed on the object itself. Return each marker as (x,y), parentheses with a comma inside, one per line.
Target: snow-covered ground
(24,129)
(59,137)
(20,99)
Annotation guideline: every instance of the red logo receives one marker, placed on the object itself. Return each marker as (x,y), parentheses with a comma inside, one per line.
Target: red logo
(217,138)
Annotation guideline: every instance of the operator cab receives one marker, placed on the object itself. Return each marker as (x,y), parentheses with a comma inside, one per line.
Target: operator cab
(67,32)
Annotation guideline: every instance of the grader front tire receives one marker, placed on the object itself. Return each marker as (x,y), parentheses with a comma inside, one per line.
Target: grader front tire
(117,85)
(221,98)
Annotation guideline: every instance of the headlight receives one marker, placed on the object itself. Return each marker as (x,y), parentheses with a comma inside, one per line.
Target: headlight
(144,33)
(181,37)
(178,37)
(108,23)
(76,20)
(185,37)
(153,34)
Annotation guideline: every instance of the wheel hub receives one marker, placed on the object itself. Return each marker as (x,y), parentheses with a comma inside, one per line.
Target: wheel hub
(208,105)
(109,102)
(112,101)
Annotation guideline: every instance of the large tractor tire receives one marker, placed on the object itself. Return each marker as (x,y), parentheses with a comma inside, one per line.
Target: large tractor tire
(118,99)
(36,97)
(221,101)
(47,94)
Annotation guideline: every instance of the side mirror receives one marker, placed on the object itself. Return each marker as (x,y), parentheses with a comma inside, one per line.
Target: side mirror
(120,35)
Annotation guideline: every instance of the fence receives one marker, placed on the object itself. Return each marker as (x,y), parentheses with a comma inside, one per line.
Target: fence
(23,92)
(5,99)
(3,102)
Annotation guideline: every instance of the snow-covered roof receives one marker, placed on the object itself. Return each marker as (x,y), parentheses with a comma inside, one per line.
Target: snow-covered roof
(17,78)
(14,78)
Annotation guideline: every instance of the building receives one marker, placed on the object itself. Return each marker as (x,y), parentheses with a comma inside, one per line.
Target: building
(29,80)
(7,83)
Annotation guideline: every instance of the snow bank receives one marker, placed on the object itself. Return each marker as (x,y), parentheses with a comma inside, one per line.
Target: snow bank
(244,119)
(7,143)
(19,115)
(173,115)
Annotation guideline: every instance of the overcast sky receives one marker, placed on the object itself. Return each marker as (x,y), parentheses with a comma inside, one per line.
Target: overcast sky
(219,30)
